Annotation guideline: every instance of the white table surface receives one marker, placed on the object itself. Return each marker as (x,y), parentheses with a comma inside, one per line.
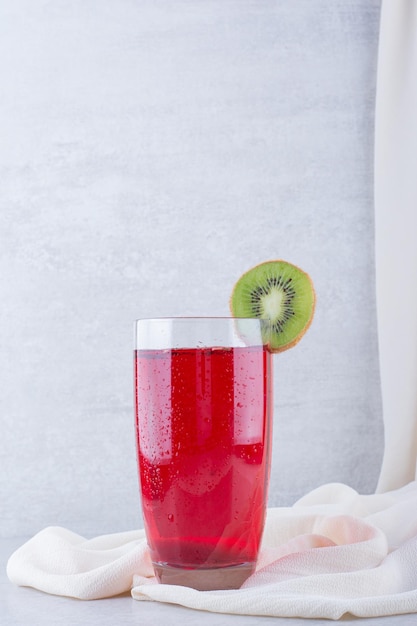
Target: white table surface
(20,606)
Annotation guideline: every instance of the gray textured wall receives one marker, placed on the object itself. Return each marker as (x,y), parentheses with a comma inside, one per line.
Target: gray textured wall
(150,152)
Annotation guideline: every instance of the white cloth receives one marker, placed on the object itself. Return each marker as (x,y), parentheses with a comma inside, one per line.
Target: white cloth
(332,553)
(395,239)
(335,551)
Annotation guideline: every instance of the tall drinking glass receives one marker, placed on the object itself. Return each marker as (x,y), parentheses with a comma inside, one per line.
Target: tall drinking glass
(203,431)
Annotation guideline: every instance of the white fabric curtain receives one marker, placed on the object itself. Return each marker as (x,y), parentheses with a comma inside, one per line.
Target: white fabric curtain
(396,237)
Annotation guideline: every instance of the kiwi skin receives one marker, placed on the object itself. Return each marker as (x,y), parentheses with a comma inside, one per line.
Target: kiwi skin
(300,335)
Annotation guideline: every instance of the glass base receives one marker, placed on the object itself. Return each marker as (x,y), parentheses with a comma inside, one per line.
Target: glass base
(208,579)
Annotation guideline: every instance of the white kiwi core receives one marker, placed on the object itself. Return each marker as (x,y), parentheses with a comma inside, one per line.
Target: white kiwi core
(272,304)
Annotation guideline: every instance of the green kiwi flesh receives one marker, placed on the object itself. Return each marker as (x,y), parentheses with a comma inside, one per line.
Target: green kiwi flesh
(280,292)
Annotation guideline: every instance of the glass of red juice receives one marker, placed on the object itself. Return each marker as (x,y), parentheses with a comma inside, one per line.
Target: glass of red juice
(203,397)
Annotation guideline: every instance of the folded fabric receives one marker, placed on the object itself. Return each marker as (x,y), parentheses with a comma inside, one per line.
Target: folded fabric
(334,552)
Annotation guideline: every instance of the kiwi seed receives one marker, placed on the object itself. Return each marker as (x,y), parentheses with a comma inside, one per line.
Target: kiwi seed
(280,292)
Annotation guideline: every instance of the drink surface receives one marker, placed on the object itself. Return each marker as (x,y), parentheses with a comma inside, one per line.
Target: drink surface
(202,420)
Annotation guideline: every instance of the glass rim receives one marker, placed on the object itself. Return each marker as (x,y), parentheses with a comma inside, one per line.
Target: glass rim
(169,332)
(200,318)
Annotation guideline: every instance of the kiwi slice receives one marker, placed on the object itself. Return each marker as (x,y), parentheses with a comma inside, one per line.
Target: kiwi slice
(280,292)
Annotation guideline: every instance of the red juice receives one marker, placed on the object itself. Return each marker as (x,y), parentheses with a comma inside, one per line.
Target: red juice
(202,424)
